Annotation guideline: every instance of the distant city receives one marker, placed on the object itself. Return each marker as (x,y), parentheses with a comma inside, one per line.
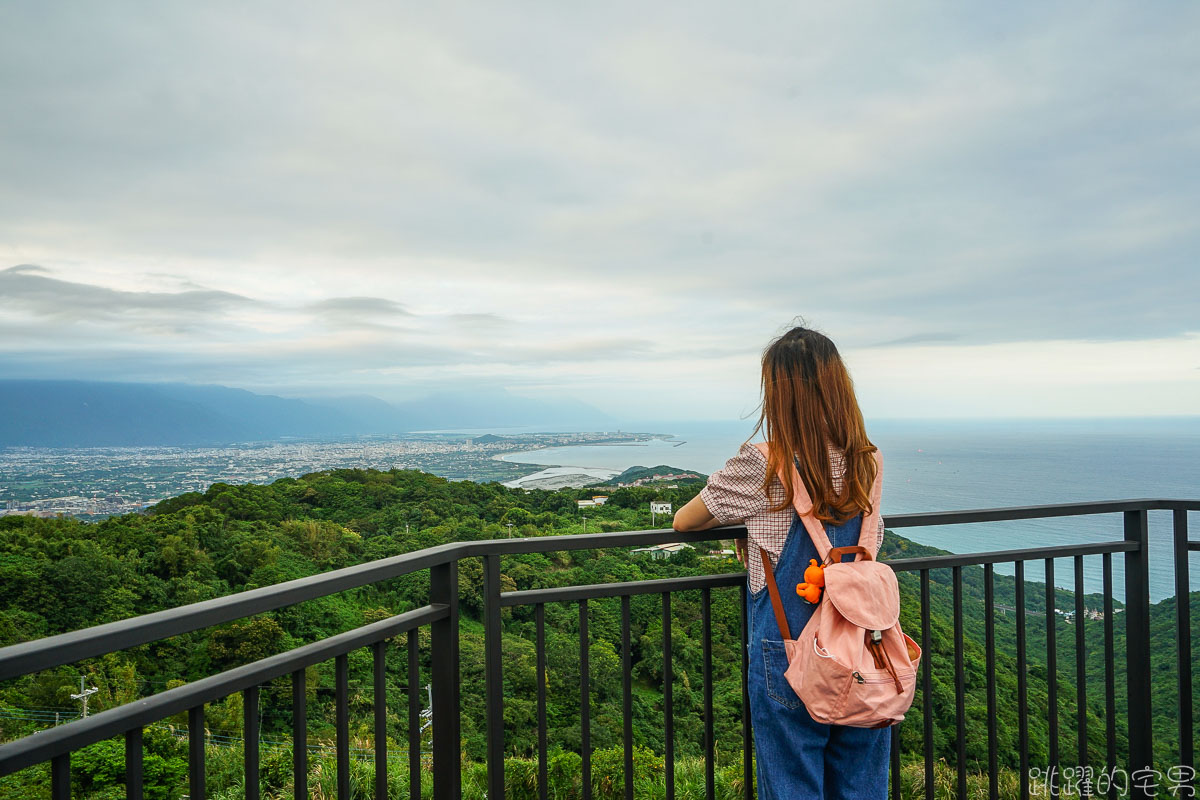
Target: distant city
(97,482)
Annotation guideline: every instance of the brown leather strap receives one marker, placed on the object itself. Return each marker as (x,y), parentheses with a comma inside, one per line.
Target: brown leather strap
(780,617)
(836,553)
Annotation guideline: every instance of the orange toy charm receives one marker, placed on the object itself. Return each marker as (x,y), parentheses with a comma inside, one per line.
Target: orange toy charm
(809,591)
(814,579)
(814,573)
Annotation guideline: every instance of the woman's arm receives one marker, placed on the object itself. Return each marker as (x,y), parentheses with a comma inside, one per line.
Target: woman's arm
(695,513)
(733,491)
(694,516)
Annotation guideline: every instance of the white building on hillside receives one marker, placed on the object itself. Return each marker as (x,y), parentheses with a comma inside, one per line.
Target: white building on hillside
(660,551)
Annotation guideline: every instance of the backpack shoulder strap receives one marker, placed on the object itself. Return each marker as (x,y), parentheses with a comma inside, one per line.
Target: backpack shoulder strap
(804,507)
(870,523)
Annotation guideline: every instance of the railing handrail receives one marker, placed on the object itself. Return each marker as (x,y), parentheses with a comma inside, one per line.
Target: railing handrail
(66,648)
(1078,509)
(45,745)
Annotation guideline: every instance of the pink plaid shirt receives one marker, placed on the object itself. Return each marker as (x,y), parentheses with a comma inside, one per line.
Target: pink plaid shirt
(734,494)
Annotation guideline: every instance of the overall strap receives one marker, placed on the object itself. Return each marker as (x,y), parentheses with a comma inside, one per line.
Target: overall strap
(804,507)
(776,601)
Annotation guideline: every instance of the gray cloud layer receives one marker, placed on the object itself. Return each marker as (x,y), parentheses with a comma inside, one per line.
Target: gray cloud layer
(65,326)
(28,283)
(920,174)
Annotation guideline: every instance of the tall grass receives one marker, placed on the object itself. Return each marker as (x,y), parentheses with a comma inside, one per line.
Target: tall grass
(564,773)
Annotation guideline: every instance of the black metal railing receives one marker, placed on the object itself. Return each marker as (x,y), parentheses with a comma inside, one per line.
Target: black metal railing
(441,615)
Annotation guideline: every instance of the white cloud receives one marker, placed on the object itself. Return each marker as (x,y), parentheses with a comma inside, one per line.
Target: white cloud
(1052,378)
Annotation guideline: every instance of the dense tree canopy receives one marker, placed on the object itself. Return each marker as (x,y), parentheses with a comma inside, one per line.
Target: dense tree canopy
(62,574)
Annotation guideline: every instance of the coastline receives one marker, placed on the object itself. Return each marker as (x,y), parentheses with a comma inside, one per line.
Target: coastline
(560,477)
(553,476)
(568,476)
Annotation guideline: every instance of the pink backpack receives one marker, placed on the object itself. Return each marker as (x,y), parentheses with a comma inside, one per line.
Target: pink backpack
(851,665)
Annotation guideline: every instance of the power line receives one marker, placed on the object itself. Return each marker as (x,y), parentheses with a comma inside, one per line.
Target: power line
(210,739)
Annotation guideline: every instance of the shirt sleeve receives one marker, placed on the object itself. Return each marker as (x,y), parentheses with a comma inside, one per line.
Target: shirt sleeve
(734,492)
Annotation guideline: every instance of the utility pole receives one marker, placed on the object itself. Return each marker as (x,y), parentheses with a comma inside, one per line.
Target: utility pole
(427,713)
(84,694)
(585,524)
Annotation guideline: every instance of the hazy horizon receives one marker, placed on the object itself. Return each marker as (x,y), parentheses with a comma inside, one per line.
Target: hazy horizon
(626,421)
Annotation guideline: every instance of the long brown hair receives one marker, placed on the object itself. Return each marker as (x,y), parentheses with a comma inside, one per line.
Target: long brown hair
(808,399)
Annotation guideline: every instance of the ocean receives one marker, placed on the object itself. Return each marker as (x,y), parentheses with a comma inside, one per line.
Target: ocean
(954,465)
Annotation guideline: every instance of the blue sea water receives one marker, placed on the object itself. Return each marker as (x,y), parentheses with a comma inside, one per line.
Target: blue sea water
(953,465)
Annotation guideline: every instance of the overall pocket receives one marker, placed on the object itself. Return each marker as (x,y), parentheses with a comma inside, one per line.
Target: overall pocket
(775,663)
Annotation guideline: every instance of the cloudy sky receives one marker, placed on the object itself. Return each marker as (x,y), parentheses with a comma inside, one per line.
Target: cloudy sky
(991,208)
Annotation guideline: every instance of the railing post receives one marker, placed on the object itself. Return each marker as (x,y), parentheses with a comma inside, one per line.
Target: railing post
(1137,653)
(299,735)
(1183,644)
(250,757)
(196,734)
(447,776)
(60,777)
(134,790)
(493,676)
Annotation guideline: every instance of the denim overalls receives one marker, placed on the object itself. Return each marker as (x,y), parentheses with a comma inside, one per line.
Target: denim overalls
(797,758)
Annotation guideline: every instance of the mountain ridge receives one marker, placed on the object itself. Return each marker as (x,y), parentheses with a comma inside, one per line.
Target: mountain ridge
(83,413)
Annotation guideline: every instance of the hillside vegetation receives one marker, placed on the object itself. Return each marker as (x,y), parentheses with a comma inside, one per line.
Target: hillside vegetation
(58,575)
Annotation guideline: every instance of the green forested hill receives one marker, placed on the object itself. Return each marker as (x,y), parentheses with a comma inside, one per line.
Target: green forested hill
(61,574)
(646,475)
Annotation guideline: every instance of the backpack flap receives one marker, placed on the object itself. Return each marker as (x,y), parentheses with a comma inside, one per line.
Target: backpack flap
(864,592)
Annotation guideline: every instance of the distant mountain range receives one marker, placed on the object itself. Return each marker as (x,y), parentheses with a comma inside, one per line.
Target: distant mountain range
(71,413)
